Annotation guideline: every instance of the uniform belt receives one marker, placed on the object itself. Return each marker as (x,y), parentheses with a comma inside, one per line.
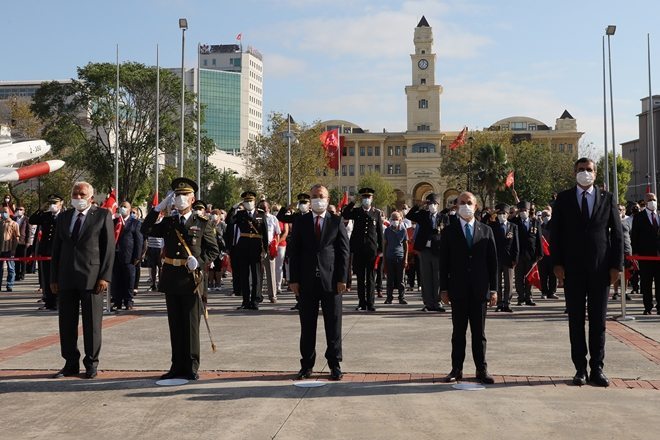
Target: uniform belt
(175,261)
(245,234)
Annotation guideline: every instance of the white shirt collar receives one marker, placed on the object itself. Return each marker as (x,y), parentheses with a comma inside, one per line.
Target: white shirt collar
(463,223)
(186,215)
(589,190)
(322,215)
(83,212)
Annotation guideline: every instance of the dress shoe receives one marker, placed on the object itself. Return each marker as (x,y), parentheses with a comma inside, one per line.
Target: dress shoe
(507,309)
(90,373)
(387,301)
(598,378)
(371,309)
(9,289)
(529,302)
(296,307)
(379,294)
(403,301)
(615,297)
(484,377)
(361,308)
(628,297)
(439,309)
(498,309)
(580,378)
(191,376)
(552,296)
(304,373)
(169,375)
(66,372)
(273,300)
(520,302)
(454,375)
(543,296)
(335,373)
(425,309)
(647,312)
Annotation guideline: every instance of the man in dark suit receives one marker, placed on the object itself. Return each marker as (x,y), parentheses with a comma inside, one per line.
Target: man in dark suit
(586,246)
(530,251)
(318,265)
(189,246)
(468,280)
(81,269)
(366,245)
(427,244)
(128,253)
(506,241)
(645,240)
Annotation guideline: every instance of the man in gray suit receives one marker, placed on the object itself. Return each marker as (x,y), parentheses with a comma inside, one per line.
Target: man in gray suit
(81,269)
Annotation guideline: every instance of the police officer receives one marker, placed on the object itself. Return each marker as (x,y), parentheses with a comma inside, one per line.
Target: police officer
(290,216)
(366,244)
(46,220)
(189,245)
(530,250)
(249,241)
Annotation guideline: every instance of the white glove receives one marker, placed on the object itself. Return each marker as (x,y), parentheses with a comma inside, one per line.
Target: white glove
(165,202)
(211,266)
(236,205)
(191,263)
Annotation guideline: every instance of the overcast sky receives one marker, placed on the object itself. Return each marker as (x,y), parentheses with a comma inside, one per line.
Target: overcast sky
(350,60)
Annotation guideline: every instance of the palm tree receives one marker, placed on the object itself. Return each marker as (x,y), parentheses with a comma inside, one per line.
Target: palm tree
(492,167)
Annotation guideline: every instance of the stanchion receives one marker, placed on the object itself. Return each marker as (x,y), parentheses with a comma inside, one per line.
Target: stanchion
(108,306)
(624,316)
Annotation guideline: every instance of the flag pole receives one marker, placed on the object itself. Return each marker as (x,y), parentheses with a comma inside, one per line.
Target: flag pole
(339,162)
(199,131)
(156,165)
(288,139)
(651,115)
(117,128)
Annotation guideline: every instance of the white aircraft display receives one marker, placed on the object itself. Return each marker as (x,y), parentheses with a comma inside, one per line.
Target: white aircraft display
(13,153)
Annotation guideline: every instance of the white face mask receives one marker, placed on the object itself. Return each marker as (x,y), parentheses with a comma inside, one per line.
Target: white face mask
(433,208)
(584,178)
(249,206)
(214,218)
(319,205)
(524,215)
(181,202)
(395,224)
(53,208)
(275,213)
(200,212)
(502,217)
(80,204)
(303,207)
(466,211)
(123,211)
(19,214)
(652,205)
(366,202)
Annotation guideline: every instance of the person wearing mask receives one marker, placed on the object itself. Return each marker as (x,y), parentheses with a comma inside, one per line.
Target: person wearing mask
(548,278)
(645,240)
(215,271)
(627,251)
(46,220)
(154,255)
(468,281)
(81,269)
(10,234)
(21,248)
(586,245)
(318,260)
(268,259)
(366,245)
(530,251)
(281,249)
(395,243)
(128,253)
(506,240)
(190,245)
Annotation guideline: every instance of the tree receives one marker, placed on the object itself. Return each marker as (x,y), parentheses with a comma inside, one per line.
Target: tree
(226,191)
(624,169)
(492,166)
(79,122)
(384,196)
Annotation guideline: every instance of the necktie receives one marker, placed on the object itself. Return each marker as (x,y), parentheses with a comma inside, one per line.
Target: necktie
(317,227)
(182,220)
(76,227)
(585,207)
(468,235)
(503,227)
(655,221)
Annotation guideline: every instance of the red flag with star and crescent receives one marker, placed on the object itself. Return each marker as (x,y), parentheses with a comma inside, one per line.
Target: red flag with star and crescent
(509,180)
(534,277)
(330,142)
(460,139)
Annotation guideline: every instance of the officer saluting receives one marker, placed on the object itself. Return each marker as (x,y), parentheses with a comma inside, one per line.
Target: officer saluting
(190,245)
(289,216)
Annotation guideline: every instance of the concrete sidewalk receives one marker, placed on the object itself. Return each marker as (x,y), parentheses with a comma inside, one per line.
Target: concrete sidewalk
(392,360)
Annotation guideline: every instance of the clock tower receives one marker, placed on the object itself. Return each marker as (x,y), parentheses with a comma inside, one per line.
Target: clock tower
(423,96)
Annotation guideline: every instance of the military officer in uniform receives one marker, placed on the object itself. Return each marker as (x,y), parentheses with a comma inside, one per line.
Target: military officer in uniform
(249,241)
(289,216)
(189,246)
(46,220)
(530,250)
(199,209)
(366,244)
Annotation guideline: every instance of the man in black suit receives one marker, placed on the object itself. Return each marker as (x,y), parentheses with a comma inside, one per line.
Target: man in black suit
(506,241)
(586,246)
(530,251)
(468,280)
(128,253)
(645,240)
(427,244)
(81,269)
(366,245)
(318,266)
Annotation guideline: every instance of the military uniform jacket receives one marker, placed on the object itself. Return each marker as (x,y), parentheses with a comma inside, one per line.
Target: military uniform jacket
(529,241)
(506,240)
(46,222)
(367,235)
(197,232)
(243,223)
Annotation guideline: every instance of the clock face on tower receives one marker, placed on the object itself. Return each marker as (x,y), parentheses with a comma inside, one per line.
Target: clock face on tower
(423,64)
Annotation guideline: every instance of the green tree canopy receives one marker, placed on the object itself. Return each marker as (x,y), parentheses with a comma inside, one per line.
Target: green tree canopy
(384,196)
(624,169)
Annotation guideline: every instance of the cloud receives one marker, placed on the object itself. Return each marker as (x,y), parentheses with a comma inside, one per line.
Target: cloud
(281,66)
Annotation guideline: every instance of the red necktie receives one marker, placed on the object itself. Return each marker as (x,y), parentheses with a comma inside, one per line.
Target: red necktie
(317,227)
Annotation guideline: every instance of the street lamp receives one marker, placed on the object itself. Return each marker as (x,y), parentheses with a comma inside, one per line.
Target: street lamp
(183,25)
(469,182)
(606,171)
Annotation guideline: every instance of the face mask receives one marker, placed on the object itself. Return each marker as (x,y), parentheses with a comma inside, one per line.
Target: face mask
(19,213)
(652,205)
(395,224)
(366,202)
(303,207)
(249,206)
(133,215)
(466,211)
(53,208)
(501,217)
(214,218)
(200,212)
(275,213)
(524,215)
(433,208)
(181,202)
(123,211)
(7,199)
(319,205)
(79,204)
(5,215)
(546,220)
(405,211)
(452,212)
(585,178)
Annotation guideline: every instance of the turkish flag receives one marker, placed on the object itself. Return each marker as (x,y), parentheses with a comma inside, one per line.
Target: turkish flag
(545,245)
(154,201)
(110,202)
(330,142)
(534,277)
(509,180)
(343,202)
(239,36)
(460,139)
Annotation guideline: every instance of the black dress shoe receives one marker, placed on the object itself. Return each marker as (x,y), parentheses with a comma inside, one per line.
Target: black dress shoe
(580,378)
(454,375)
(498,309)
(387,301)
(403,301)
(360,308)
(371,309)
(529,302)
(425,309)
(295,307)
(598,378)
(169,375)
(507,309)
(90,373)
(647,312)
(484,377)
(191,376)
(335,373)
(66,372)
(304,373)
(552,296)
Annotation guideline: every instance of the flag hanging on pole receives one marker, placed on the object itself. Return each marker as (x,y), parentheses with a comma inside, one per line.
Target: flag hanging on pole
(330,142)
(238,37)
(546,246)
(343,202)
(460,139)
(154,201)
(534,277)
(110,202)
(509,180)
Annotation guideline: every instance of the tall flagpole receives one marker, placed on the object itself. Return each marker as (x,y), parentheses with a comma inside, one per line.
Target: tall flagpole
(117,131)
(199,131)
(605,158)
(651,115)
(156,165)
(339,163)
(288,139)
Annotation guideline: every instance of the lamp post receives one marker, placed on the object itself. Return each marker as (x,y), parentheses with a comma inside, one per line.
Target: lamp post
(605,158)
(469,182)
(290,137)
(183,25)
